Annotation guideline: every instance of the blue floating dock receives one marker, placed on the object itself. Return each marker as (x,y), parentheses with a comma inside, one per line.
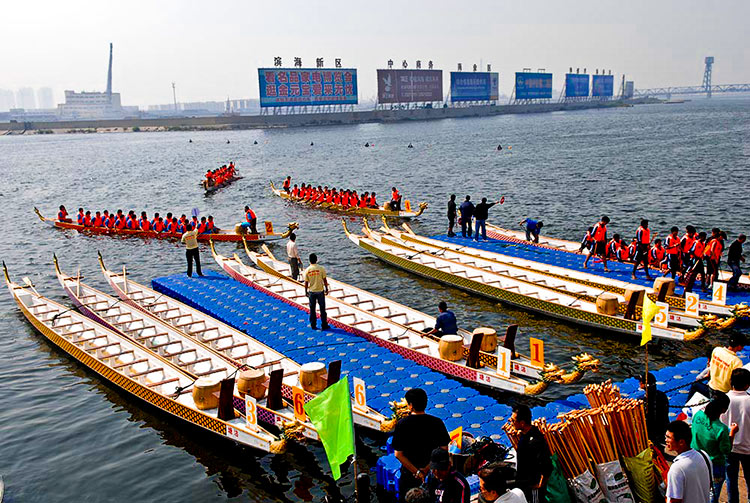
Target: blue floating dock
(618,270)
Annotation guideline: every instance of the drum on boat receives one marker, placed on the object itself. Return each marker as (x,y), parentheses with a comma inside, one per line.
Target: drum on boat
(252,382)
(312,377)
(607,303)
(451,347)
(489,339)
(206,392)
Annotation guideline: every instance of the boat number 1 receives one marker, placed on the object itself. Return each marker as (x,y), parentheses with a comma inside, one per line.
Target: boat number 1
(720,293)
(691,303)
(298,397)
(251,413)
(503,361)
(360,394)
(537,351)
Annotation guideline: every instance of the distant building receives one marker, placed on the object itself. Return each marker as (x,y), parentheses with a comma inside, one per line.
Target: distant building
(7,100)
(45,98)
(25,98)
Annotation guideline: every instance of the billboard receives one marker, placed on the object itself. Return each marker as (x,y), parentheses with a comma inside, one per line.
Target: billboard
(603,85)
(530,85)
(288,87)
(474,86)
(576,85)
(404,86)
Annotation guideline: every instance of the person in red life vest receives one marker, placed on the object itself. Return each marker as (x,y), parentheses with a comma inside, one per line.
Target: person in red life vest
(172,226)
(697,252)
(657,254)
(372,202)
(588,240)
(154,220)
(673,252)
(329,196)
(686,243)
(363,201)
(210,226)
(613,247)
(599,233)
(640,253)
(131,222)
(144,222)
(97,221)
(713,253)
(336,200)
(354,199)
(87,219)
(167,220)
(62,215)
(395,200)
(251,220)
(209,179)
(158,224)
(119,220)
(106,219)
(181,225)
(295,192)
(631,249)
(287,183)
(194,222)
(202,226)
(81,216)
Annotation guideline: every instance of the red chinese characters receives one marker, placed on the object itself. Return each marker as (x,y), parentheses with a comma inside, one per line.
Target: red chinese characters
(283,90)
(317,89)
(270,89)
(328,89)
(282,77)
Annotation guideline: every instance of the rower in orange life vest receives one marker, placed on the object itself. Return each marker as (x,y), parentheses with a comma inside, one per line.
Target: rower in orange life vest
(697,252)
(87,219)
(251,222)
(210,227)
(363,201)
(373,203)
(202,226)
(395,200)
(588,240)
(81,216)
(686,243)
(287,183)
(642,243)
(613,247)
(295,192)
(157,224)
(673,252)
(657,255)
(713,252)
(599,249)
(62,215)
(144,222)
(98,221)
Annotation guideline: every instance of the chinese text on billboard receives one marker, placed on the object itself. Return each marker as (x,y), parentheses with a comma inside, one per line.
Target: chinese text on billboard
(307,86)
(474,86)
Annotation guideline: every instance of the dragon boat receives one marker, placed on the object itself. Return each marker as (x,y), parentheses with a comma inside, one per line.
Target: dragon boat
(219,359)
(379,329)
(408,320)
(489,282)
(590,284)
(406,213)
(210,189)
(131,367)
(231,343)
(221,235)
(495,232)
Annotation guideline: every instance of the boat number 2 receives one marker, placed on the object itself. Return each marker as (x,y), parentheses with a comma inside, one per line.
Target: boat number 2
(360,394)
(251,413)
(298,397)
(537,351)
(503,361)
(691,303)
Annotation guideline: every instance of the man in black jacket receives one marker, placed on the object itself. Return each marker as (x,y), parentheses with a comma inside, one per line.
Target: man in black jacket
(657,410)
(481,212)
(451,215)
(533,459)
(733,261)
(467,211)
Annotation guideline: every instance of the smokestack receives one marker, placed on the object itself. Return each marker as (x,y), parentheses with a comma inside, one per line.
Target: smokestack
(109,74)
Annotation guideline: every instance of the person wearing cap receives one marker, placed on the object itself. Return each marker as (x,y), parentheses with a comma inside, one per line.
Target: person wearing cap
(445,484)
(414,439)
(534,461)
(657,410)
(493,486)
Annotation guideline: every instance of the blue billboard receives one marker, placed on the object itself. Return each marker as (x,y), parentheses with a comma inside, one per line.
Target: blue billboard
(576,85)
(603,85)
(474,86)
(530,85)
(288,87)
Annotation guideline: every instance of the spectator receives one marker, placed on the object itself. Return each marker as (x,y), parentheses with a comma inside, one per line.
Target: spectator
(316,289)
(467,211)
(713,437)
(534,461)
(192,254)
(292,252)
(738,414)
(533,228)
(414,439)
(451,215)
(724,361)
(445,323)
(689,478)
(481,213)
(445,484)
(493,487)
(657,410)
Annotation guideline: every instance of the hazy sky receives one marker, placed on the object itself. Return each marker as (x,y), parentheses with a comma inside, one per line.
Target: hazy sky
(212,49)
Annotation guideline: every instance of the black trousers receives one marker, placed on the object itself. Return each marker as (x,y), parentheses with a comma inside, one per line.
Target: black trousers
(294,264)
(465,223)
(193,255)
(318,298)
(451,224)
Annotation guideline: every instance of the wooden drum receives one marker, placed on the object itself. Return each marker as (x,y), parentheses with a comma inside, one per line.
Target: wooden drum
(451,347)
(252,382)
(312,377)
(607,303)
(489,339)
(662,283)
(635,291)
(206,393)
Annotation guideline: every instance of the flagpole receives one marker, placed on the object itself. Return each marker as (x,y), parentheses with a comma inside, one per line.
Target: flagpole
(354,456)
(646,376)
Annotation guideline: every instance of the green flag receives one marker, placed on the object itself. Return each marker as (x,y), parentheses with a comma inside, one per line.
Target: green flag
(331,413)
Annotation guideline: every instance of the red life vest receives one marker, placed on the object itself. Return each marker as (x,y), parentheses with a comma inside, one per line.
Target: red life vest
(62,215)
(295,192)
(145,224)
(286,184)
(87,221)
(394,195)
(657,254)
(158,226)
(210,225)
(673,245)
(373,203)
(698,249)
(250,215)
(643,236)
(98,221)
(600,232)
(80,218)
(202,227)
(687,243)
(120,222)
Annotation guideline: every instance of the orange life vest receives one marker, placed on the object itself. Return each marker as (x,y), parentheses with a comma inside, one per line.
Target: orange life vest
(600,232)
(673,245)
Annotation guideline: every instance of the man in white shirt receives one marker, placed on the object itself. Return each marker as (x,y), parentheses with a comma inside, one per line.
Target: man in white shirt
(739,414)
(689,479)
(295,262)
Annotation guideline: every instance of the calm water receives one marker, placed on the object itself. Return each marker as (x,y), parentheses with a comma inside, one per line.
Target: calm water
(68,436)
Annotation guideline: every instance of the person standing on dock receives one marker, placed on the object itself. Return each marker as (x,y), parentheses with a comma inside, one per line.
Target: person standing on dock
(724,361)
(467,211)
(643,242)
(451,215)
(295,262)
(414,439)
(190,238)
(739,414)
(534,461)
(533,228)
(481,213)
(316,289)
(600,242)
(690,476)
(657,410)
(734,257)
(673,252)
(714,438)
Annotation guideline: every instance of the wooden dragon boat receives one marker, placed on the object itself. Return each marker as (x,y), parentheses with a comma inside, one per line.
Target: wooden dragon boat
(410,320)
(221,360)
(569,306)
(222,235)
(556,277)
(406,213)
(495,232)
(213,188)
(233,344)
(378,328)
(130,367)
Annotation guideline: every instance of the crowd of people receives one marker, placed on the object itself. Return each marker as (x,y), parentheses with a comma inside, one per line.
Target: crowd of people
(468,211)
(686,258)
(115,221)
(345,198)
(220,175)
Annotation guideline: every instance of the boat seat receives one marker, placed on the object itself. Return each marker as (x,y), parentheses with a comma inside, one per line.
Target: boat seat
(160,383)
(178,353)
(389,316)
(239,344)
(147,371)
(253,354)
(177,317)
(379,308)
(68,324)
(158,334)
(362,302)
(97,336)
(163,344)
(216,338)
(203,330)
(268,363)
(361,322)
(102,346)
(134,362)
(379,330)
(415,348)
(191,322)
(211,371)
(414,322)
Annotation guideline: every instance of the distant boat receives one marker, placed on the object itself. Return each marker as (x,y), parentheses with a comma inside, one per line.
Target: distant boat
(674,102)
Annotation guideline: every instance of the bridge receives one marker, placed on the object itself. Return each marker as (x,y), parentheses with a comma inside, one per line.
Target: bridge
(706,88)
